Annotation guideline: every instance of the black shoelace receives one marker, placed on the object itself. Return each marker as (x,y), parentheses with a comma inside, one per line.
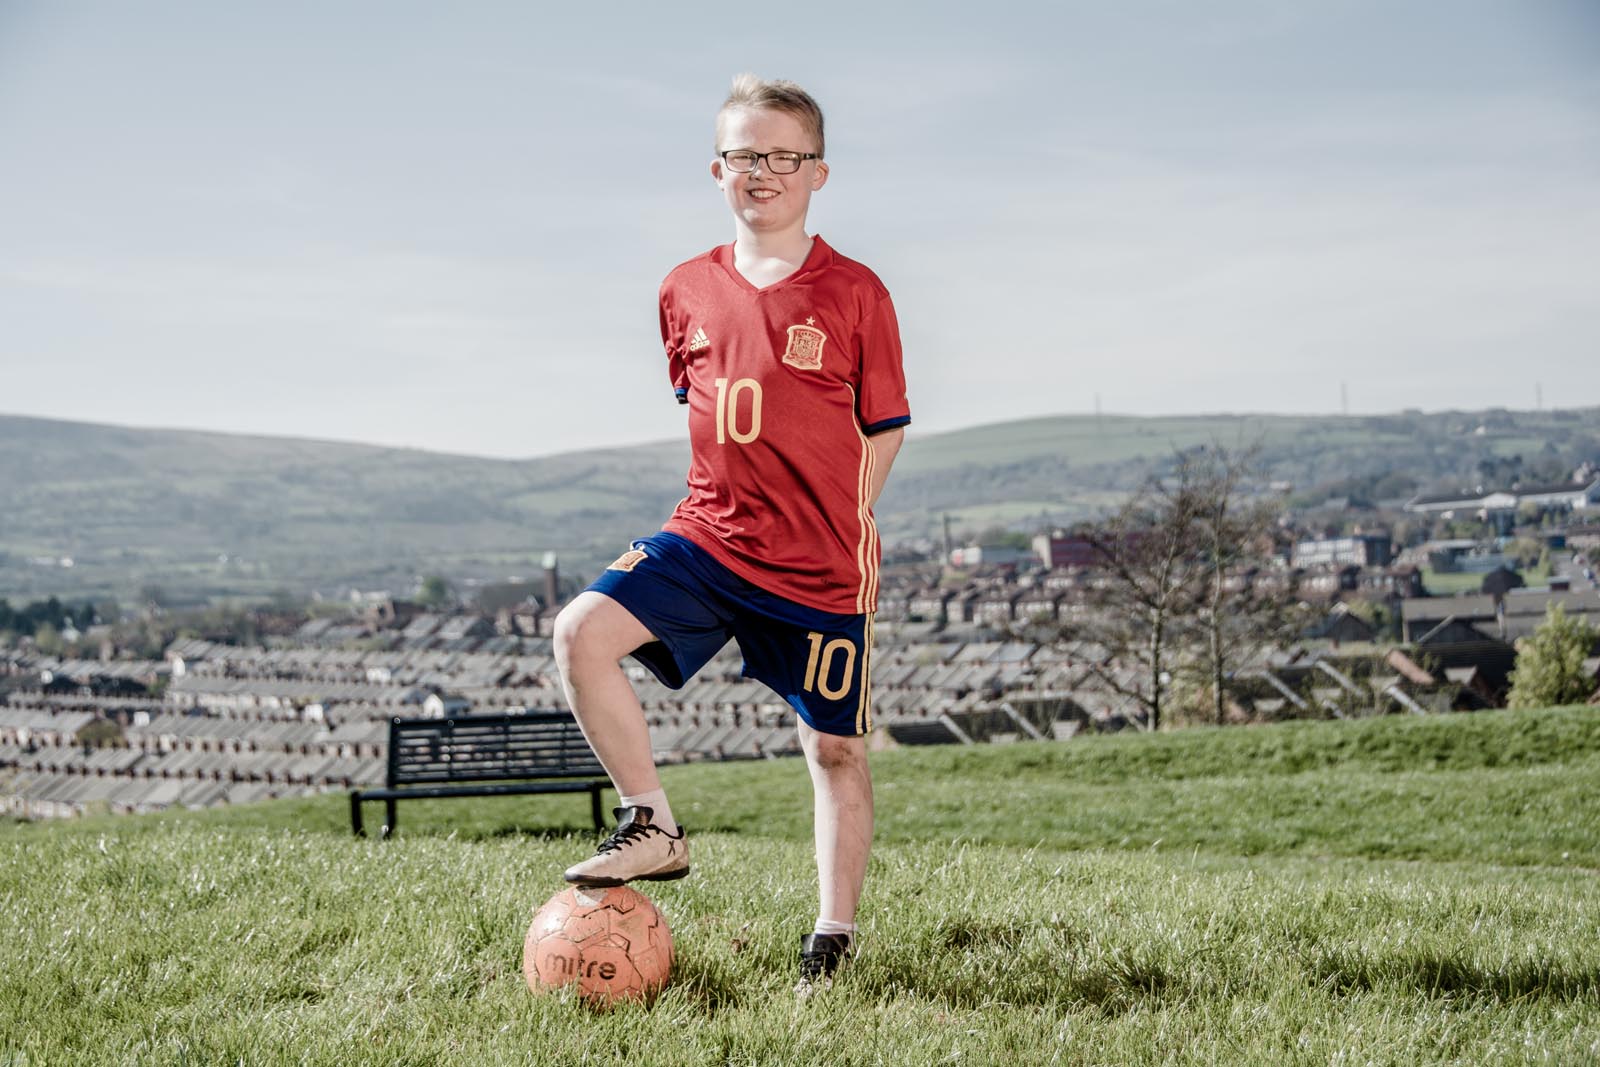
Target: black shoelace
(624,835)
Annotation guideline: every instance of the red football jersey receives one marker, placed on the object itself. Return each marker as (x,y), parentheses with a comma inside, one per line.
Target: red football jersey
(784,386)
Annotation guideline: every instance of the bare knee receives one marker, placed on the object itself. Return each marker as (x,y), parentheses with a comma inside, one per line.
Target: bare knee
(595,627)
(567,634)
(832,754)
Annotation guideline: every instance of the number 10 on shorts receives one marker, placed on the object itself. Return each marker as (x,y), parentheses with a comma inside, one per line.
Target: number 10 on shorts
(819,668)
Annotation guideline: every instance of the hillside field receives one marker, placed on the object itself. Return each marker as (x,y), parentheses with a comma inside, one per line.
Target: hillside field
(200,517)
(1390,891)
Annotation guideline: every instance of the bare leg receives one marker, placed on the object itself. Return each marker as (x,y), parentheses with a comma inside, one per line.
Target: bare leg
(841,786)
(592,634)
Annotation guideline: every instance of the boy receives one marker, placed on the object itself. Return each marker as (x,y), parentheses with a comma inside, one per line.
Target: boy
(788,357)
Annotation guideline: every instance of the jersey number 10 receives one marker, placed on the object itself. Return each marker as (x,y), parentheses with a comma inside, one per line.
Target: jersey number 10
(820,666)
(728,417)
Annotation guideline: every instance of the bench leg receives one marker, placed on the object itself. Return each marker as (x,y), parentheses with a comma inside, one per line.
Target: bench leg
(390,817)
(594,808)
(355,816)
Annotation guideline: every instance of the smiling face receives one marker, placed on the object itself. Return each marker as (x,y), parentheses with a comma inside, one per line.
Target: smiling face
(762,202)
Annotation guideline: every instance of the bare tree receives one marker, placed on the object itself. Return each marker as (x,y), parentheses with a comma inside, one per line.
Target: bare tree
(1152,572)
(1241,607)
(1182,590)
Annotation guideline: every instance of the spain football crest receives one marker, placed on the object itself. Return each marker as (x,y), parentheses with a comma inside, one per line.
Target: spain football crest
(805,346)
(627,561)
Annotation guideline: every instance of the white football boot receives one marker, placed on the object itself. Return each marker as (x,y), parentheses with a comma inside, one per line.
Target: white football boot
(636,849)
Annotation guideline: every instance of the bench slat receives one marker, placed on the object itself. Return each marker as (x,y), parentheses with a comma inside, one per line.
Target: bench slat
(446,792)
(498,747)
(485,755)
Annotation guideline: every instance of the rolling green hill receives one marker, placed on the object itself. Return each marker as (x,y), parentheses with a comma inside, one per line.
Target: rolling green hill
(1388,891)
(206,515)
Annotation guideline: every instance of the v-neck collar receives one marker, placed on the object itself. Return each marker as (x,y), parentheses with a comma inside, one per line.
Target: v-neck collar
(814,259)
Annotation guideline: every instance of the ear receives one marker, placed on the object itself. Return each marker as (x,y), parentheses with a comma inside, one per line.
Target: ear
(820,178)
(716,171)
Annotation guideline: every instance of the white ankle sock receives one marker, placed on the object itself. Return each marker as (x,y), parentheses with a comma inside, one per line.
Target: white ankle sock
(660,810)
(829,926)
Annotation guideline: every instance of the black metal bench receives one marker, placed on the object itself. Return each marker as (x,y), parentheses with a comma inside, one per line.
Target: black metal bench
(484,756)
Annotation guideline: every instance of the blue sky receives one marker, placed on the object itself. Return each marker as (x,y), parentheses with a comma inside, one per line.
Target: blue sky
(443,226)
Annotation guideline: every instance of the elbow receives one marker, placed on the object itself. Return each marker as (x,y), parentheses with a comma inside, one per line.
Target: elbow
(887,444)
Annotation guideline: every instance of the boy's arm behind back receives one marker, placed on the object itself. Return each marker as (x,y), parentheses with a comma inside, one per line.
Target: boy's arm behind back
(885,446)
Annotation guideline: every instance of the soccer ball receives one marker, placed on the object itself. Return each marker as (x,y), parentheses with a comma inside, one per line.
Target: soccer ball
(612,943)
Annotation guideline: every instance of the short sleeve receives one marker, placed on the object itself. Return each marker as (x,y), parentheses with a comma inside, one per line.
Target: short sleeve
(881,394)
(672,340)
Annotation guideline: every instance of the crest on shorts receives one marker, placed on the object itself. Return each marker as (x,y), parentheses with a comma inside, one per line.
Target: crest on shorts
(805,346)
(627,561)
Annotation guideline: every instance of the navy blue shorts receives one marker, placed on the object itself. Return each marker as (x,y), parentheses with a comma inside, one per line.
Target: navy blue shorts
(818,661)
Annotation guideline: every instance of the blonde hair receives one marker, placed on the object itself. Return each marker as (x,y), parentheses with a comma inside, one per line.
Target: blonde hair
(749,91)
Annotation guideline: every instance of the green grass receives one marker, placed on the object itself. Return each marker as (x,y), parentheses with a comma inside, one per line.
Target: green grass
(1393,891)
(1087,439)
(1449,583)
(1440,583)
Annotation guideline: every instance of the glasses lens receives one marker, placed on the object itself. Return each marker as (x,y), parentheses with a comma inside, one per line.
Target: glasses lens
(783,162)
(742,162)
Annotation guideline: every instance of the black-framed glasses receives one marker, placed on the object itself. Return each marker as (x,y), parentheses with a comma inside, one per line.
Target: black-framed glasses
(743,161)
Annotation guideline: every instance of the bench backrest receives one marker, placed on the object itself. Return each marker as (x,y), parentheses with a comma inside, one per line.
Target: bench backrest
(488,748)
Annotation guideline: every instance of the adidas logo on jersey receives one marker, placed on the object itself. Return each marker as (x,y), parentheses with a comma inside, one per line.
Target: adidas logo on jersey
(699,341)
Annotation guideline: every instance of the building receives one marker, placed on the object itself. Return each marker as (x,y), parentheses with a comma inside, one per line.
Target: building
(988,556)
(1571,496)
(929,605)
(1516,614)
(1341,625)
(1059,549)
(1580,495)
(1448,504)
(996,606)
(1364,550)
